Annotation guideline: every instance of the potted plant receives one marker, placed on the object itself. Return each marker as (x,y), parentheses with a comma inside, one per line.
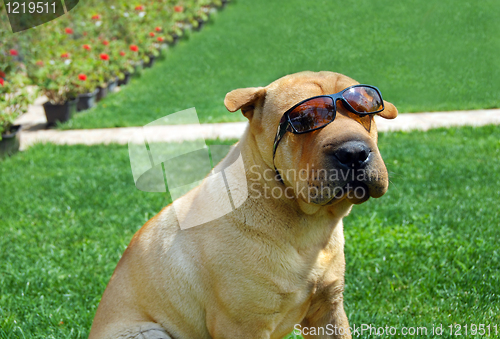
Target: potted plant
(112,84)
(177,29)
(9,140)
(125,65)
(153,54)
(86,66)
(111,62)
(124,78)
(14,101)
(58,81)
(136,59)
(202,16)
(87,92)
(153,48)
(103,76)
(102,91)
(113,71)
(61,112)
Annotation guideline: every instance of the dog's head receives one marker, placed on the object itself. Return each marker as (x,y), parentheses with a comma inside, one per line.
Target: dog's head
(338,162)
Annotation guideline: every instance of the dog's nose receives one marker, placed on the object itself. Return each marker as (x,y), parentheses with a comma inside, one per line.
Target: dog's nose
(353,154)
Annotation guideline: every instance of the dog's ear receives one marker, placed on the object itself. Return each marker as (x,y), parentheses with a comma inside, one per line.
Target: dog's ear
(244,98)
(390,111)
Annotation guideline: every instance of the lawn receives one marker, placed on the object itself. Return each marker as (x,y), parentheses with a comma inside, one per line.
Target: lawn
(426,253)
(423,55)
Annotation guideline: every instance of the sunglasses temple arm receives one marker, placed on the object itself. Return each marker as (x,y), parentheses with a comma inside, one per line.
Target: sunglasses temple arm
(282,128)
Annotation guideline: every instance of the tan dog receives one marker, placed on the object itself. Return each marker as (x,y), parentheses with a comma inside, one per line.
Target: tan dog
(274,262)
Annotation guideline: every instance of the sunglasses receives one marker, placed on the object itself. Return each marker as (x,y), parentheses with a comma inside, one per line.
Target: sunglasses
(317,112)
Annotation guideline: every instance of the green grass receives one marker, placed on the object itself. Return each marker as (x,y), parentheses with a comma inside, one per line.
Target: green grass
(426,253)
(423,55)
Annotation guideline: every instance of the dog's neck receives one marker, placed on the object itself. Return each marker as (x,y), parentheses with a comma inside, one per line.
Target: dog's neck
(311,223)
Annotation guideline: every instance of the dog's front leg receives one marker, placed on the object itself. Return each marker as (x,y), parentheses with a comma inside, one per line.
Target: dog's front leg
(326,320)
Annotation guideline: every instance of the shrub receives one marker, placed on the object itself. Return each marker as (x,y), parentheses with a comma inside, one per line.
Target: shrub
(14,100)
(14,94)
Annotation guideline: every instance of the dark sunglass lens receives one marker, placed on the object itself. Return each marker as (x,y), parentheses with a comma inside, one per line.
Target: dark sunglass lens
(312,114)
(363,99)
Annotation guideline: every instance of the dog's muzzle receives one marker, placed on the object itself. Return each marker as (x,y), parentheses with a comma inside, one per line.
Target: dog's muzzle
(350,171)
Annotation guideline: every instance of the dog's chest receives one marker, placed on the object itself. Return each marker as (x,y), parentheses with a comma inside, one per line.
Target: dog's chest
(285,302)
(287,292)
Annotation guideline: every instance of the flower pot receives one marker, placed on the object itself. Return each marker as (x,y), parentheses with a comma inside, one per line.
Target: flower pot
(112,85)
(201,23)
(138,67)
(125,79)
(101,93)
(163,48)
(223,4)
(86,101)
(151,62)
(59,112)
(175,39)
(10,142)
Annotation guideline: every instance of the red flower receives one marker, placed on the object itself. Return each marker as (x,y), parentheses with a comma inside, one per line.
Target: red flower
(87,47)
(68,30)
(105,42)
(122,53)
(104,56)
(39,63)
(82,77)
(2,74)
(178,9)
(65,55)
(96,17)
(84,33)
(158,29)
(151,34)
(134,48)
(160,39)
(139,8)
(2,81)
(13,52)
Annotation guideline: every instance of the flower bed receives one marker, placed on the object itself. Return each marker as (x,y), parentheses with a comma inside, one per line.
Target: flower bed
(95,44)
